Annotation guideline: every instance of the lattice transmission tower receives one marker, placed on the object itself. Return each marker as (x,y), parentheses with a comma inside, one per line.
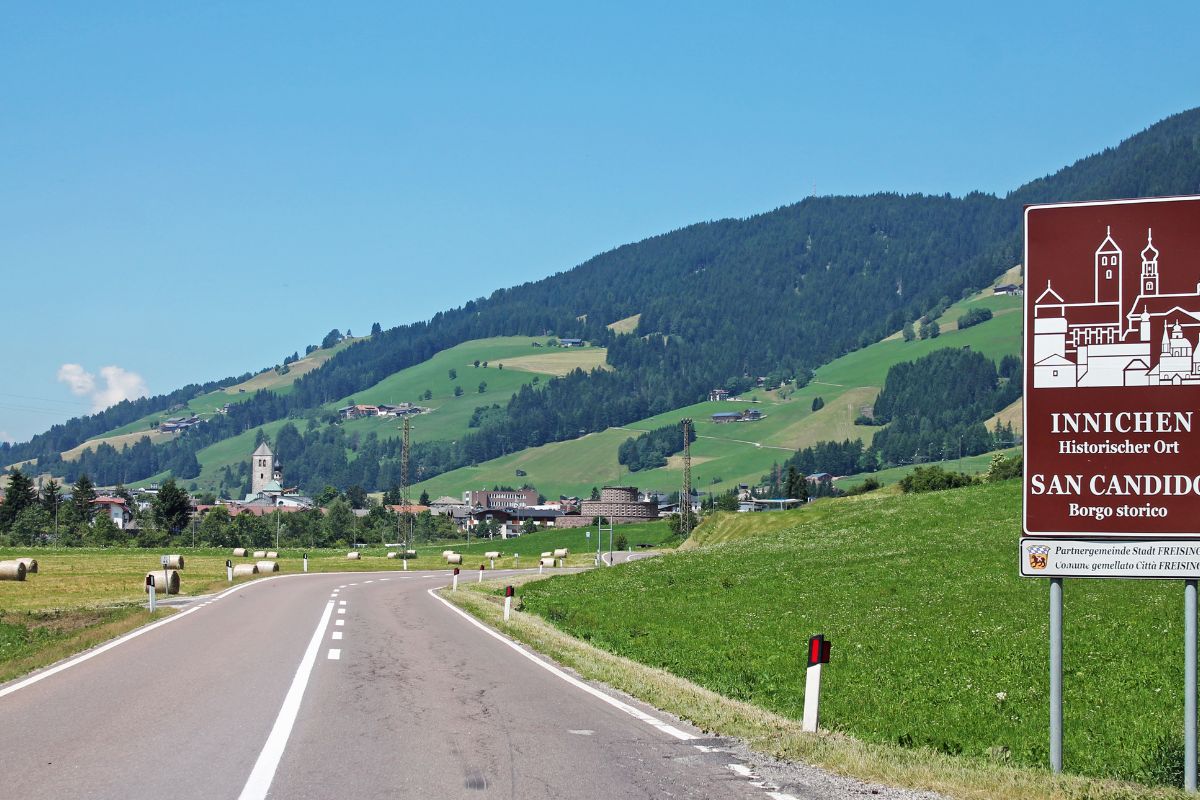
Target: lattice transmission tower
(685,497)
(404,451)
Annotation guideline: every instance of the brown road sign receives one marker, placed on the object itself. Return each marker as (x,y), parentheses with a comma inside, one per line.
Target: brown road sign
(1112,369)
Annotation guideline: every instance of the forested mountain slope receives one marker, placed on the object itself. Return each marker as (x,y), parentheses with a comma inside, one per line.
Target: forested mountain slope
(824,276)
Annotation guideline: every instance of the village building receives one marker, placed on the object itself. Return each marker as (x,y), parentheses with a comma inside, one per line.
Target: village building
(116,509)
(503,498)
(618,504)
(445,506)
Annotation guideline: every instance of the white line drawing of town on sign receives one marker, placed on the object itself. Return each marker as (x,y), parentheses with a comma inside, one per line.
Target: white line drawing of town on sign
(1110,342)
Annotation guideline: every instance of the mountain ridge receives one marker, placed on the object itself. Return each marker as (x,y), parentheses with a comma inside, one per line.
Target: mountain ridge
(825,276)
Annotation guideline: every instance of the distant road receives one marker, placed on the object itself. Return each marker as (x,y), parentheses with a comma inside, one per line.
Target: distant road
(340,686)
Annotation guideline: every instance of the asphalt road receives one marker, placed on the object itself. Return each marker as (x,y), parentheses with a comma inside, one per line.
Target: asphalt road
(341,686)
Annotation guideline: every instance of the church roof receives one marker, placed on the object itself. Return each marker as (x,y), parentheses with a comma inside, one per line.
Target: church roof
(272,486)
(1151,252)
(263,450)
(1049,296)
(1108,245)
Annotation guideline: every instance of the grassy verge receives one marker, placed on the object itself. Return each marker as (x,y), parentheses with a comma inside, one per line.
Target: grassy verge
(31,640)
(936,641)
(781,737)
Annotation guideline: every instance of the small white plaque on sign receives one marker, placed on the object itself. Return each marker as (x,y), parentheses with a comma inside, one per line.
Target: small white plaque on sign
(1091,558)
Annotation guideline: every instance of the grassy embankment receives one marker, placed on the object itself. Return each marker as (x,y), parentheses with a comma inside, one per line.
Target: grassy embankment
(937,644)
(741,452)
(82,596)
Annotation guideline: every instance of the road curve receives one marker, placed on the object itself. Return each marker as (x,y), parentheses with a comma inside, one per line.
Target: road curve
(360,685)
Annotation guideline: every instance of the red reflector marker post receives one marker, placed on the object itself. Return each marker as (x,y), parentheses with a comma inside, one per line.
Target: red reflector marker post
(818,654)
(480,573)
(454,585)
(508,596)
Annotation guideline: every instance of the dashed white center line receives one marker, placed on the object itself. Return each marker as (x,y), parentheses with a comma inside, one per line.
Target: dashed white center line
(366,582)
(335,654)
(341,602)
(337,634)
(339,622)
(263,773)
(341,611)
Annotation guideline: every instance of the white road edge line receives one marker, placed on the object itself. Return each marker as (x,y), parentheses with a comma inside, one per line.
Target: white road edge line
(578,684)
(259,782)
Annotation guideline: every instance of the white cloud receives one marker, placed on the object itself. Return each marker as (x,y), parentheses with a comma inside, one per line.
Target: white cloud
(119,384)
(76,378)
(5,437)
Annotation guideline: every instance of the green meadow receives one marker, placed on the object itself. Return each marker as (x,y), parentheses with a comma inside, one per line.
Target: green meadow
(725,455)
(936,641)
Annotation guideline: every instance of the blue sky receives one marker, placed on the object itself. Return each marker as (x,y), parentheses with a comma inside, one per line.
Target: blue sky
(191,191)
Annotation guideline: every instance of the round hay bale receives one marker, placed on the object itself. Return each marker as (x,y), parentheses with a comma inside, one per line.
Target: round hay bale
(391,554)
(242,570)
(260,554)
(492,554)
(31,567)
(454,558)
(239,552)
(175,562)
(548,554)
(164,582)
(267,566)
(410,553)
(447,553)
(354,555)
(547,562)
(272,554)
(562,552)
(12,571)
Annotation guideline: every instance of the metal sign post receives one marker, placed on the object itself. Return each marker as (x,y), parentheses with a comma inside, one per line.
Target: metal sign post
(1189,685)
(1056,625)
(1111,391)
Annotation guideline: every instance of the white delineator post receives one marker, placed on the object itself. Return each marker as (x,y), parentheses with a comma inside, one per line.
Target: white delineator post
(229,570)
(454,585)
(508,596)
(150,589)
(818,654)
(480,574)
(306,562)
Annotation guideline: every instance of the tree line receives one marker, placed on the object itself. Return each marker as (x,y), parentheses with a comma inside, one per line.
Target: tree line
(650,450)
